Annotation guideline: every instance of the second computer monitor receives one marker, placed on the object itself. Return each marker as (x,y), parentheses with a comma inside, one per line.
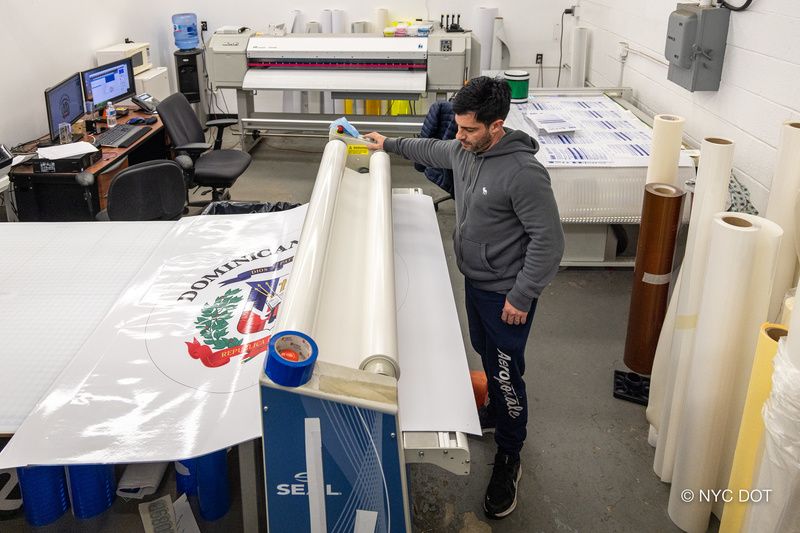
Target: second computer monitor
(64,103)
(111,82)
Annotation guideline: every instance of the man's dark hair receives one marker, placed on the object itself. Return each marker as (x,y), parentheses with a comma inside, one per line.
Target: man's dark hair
(489,98)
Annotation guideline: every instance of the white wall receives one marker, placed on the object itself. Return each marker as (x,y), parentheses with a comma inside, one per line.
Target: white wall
(43,42)
(760,81)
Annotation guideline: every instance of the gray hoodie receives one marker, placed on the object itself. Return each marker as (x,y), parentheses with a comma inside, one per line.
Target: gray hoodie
(508,235)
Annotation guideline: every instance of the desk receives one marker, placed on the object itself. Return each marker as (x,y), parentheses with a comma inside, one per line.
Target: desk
(49,197)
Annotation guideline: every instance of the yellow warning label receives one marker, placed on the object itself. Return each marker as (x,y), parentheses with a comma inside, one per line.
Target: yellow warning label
(355,149)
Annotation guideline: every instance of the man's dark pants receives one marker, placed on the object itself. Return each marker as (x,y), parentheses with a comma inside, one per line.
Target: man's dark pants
(502,350)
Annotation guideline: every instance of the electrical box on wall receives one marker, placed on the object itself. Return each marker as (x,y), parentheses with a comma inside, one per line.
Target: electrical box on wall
(695,48)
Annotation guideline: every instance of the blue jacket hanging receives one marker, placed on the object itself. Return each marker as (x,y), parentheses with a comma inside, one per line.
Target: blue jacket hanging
(439,123)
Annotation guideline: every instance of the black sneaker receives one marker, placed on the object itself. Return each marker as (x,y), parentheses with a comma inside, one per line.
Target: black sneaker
(501,494)
(487,419)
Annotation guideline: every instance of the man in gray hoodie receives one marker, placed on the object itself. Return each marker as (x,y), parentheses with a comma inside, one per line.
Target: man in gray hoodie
(508,244)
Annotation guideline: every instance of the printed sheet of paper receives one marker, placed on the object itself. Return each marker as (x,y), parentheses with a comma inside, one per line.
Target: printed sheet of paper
(605,134)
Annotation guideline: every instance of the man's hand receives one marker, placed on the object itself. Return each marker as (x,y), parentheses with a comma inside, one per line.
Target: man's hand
(513,316)
(377,140)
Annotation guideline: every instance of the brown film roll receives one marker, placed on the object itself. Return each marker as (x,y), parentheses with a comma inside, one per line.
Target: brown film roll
(661,211)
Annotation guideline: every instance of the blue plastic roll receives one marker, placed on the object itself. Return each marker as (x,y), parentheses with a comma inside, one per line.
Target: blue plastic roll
(184,28)
(186,476)
(44,493)
(213,492)
(287,372)
(92,489)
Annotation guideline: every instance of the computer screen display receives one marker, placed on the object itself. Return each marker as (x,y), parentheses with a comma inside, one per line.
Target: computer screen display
(111,82)
(64,103)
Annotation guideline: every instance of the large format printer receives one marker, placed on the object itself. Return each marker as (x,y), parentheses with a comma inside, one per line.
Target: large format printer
(340,66)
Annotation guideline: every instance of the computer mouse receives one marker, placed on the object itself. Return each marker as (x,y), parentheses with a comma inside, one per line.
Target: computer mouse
(150,120)
(136,120)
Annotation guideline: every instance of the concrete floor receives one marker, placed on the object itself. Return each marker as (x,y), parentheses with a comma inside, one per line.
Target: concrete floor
(587,466)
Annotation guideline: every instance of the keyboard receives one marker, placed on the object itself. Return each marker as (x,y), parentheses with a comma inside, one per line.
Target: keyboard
(122,135)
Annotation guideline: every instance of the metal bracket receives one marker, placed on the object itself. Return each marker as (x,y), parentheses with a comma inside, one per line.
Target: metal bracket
(699,51)
(447,450)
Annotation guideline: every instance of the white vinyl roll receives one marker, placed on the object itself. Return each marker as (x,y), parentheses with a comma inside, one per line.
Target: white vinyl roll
(299,309)
(346,260)
(360,106)
(658,377)
(313,27)
(735,299)
(666,150)
(379,316)
(793,342)
(716,160)
(577,74)
(339,21)
(338,106)
(381,20)
(326,20)
(781,209)
(355,266)
(779,466)
(484,33)
(501,55)
(360,26)
(293,23)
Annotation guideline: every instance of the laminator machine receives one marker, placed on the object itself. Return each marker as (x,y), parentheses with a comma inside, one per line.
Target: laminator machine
(330,396)
(348,66)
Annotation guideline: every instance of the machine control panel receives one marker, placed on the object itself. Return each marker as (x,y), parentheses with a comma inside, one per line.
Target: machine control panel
(446,45)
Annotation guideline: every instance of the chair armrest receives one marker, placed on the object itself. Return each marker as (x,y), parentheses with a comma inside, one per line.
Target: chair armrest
(194,150)
(222,122)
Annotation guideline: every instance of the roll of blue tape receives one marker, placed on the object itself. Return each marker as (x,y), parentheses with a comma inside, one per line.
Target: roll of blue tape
(92,489)
(186,476)
(290,358)
(44,493)
(213,491)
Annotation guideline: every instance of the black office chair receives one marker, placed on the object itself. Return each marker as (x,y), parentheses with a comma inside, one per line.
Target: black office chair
(153,190)
(217,169)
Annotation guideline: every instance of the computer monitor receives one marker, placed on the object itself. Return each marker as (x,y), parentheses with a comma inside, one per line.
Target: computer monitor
(111,82)
(64,103)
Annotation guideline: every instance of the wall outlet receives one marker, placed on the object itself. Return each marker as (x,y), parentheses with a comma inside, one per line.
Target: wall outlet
(539,59)
(203,25)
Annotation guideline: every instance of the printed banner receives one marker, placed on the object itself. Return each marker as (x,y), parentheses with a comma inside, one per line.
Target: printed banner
(178,356)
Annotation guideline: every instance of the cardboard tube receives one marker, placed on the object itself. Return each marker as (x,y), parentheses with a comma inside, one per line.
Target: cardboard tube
(666,149)
(661,211)
(716,160)
(751,430)
(781,210)
(741,261)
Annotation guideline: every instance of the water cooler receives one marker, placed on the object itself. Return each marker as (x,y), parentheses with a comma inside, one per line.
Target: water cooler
(190,62)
